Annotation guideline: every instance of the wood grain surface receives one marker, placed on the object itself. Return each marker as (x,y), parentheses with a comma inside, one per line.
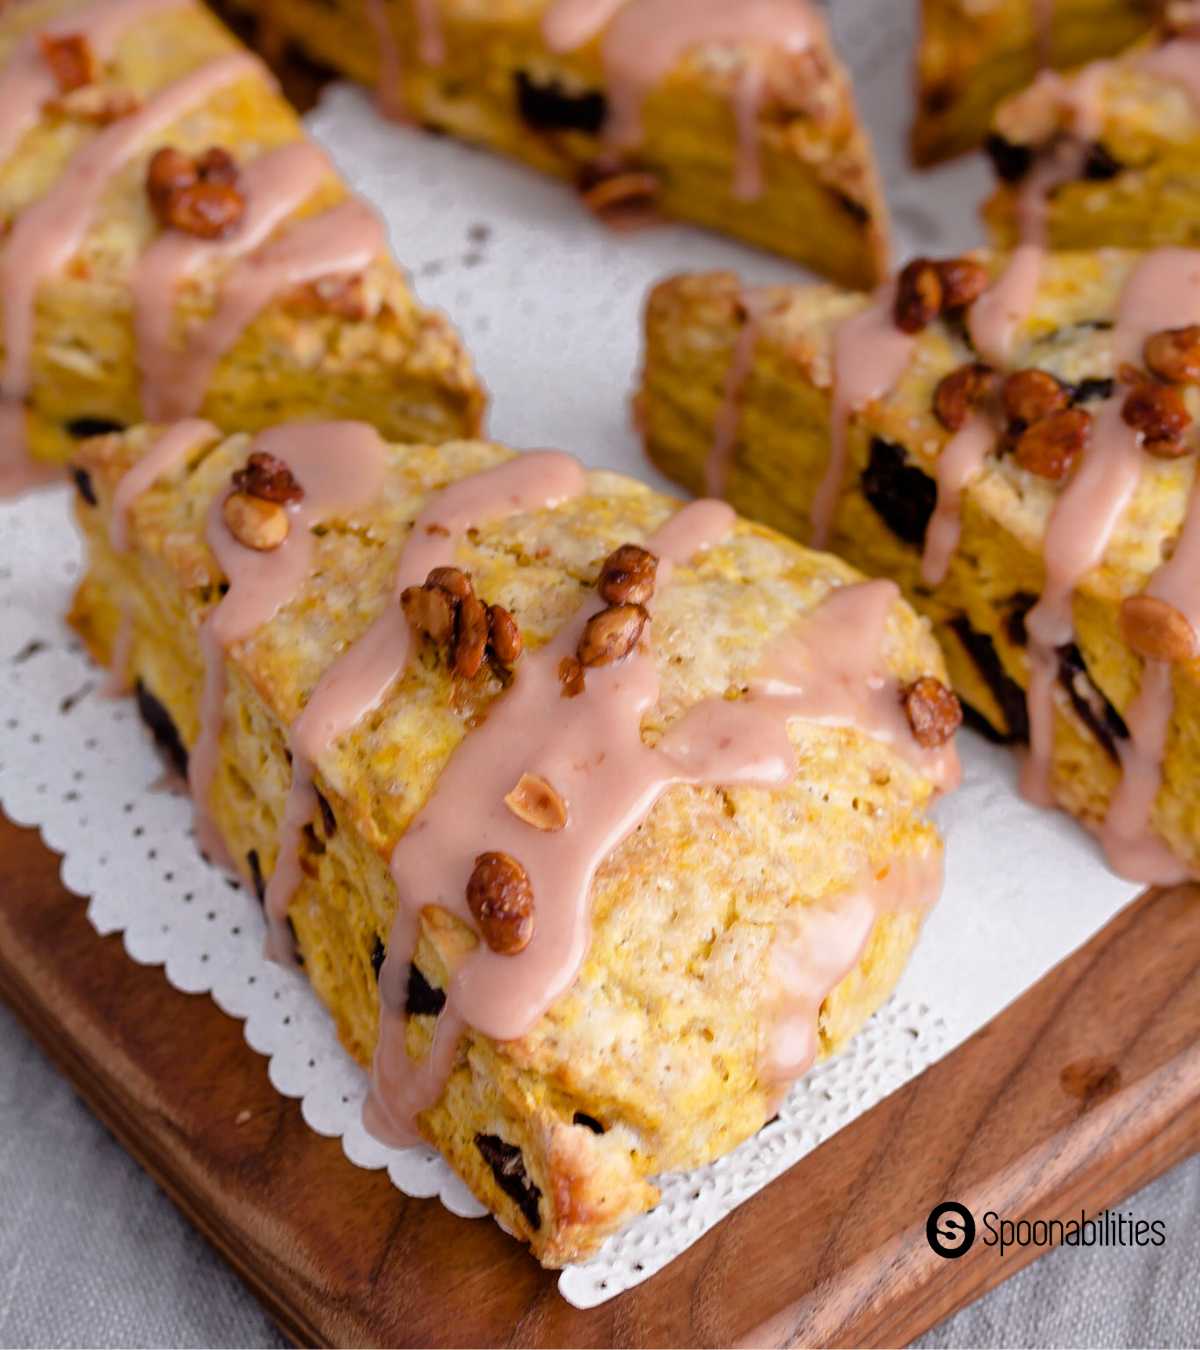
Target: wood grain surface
(1082,1091)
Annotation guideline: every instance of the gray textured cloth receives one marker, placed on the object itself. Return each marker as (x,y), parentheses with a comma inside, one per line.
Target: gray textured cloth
(92,1253)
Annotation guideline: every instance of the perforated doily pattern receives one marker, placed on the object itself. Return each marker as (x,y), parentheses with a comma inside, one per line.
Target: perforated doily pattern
(549,303)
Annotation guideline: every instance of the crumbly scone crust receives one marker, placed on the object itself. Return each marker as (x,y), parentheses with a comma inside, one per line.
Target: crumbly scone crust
(973,53)
(399,366)
(822,204)
(658,1040)
(997,570)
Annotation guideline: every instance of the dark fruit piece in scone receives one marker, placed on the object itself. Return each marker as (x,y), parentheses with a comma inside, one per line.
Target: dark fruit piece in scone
(162,728)
(549,107)
(902,495)
(508,1167)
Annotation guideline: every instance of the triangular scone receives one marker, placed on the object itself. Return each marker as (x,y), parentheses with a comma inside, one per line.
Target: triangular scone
(739,117)
(1107,156)
(252,287)
(518,645)
(973,53)
(971,472)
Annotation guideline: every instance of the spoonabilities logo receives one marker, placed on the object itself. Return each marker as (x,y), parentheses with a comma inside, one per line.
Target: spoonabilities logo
(950,1229)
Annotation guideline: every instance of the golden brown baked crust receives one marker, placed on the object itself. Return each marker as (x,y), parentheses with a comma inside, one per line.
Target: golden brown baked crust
(973,53)
(387,360)
(499,85)
(888,495)
(650,1061)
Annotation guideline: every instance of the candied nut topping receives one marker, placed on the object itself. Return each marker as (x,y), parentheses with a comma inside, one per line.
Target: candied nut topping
(1157,630)
(627,576)
(963,281)
(534,801)
(1030,395)
(343,296)
(630,188)
(570,676)
(961,392)
(934,712)
(70,58)
(453,580)
(919,296)
(430,611)
(1050,447)
(611,635)
(98,103)
(269,479)
(1174,354)
(198,196)
(1159,413)
(470,637)
(255,523)
(500,897)
(504,637)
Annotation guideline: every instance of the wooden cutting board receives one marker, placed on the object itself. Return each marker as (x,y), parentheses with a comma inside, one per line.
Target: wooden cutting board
(1082,1091)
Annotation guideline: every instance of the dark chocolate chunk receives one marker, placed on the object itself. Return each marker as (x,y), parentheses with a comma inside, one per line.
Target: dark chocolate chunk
(508,1167)
(1014,624)
(852,207)
(163,729)
(378,953)
(1100,164)
(902,495)
(582,1118)
(83,484)
(256,876)
(80,428)
(328,820)
(1093,390)
(422,999)
(1009,695)
(1091,707)
(1010,161)
(548,107)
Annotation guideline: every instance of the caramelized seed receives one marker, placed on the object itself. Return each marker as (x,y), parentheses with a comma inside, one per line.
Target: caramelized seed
(430,611)
(471,636)
(269,478)
(961,392)
(535,802)
(1159,413)
(255,524)
(1050,447)
(452,580)
(570,676)
(217,165)
(1030,395)
(934,712)
(611,635)
(504,637)
(1174,354)
(627,576)
(206,210)
(500,897)
(169,172)
(70,58)
(918,296)
(1156,629)
(963,281)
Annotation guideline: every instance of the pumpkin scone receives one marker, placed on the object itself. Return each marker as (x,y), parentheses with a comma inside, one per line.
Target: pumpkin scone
(1108,155)
(594,820)
(174,245)
(739,117)
(974,53)
(1013,441)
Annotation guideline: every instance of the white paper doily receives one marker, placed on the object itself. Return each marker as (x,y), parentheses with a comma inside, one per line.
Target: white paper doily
(549,303)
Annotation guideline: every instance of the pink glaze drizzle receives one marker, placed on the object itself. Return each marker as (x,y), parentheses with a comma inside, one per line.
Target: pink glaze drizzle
(356,683)
(1178,62)
(172,448)
(274,185)
(816,948)
(26,82)
(340,466)
(342,241)
(646,39)
(870,354)
(591,749)
(729,415)
(959,464)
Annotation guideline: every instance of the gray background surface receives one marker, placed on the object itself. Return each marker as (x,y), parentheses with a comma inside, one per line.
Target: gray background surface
(93,1254)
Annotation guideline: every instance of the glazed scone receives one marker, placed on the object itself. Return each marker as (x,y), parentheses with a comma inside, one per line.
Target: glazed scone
(738,117)
(973,53)
(715,783)
(973,471)
(174,244)
(1106,156)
